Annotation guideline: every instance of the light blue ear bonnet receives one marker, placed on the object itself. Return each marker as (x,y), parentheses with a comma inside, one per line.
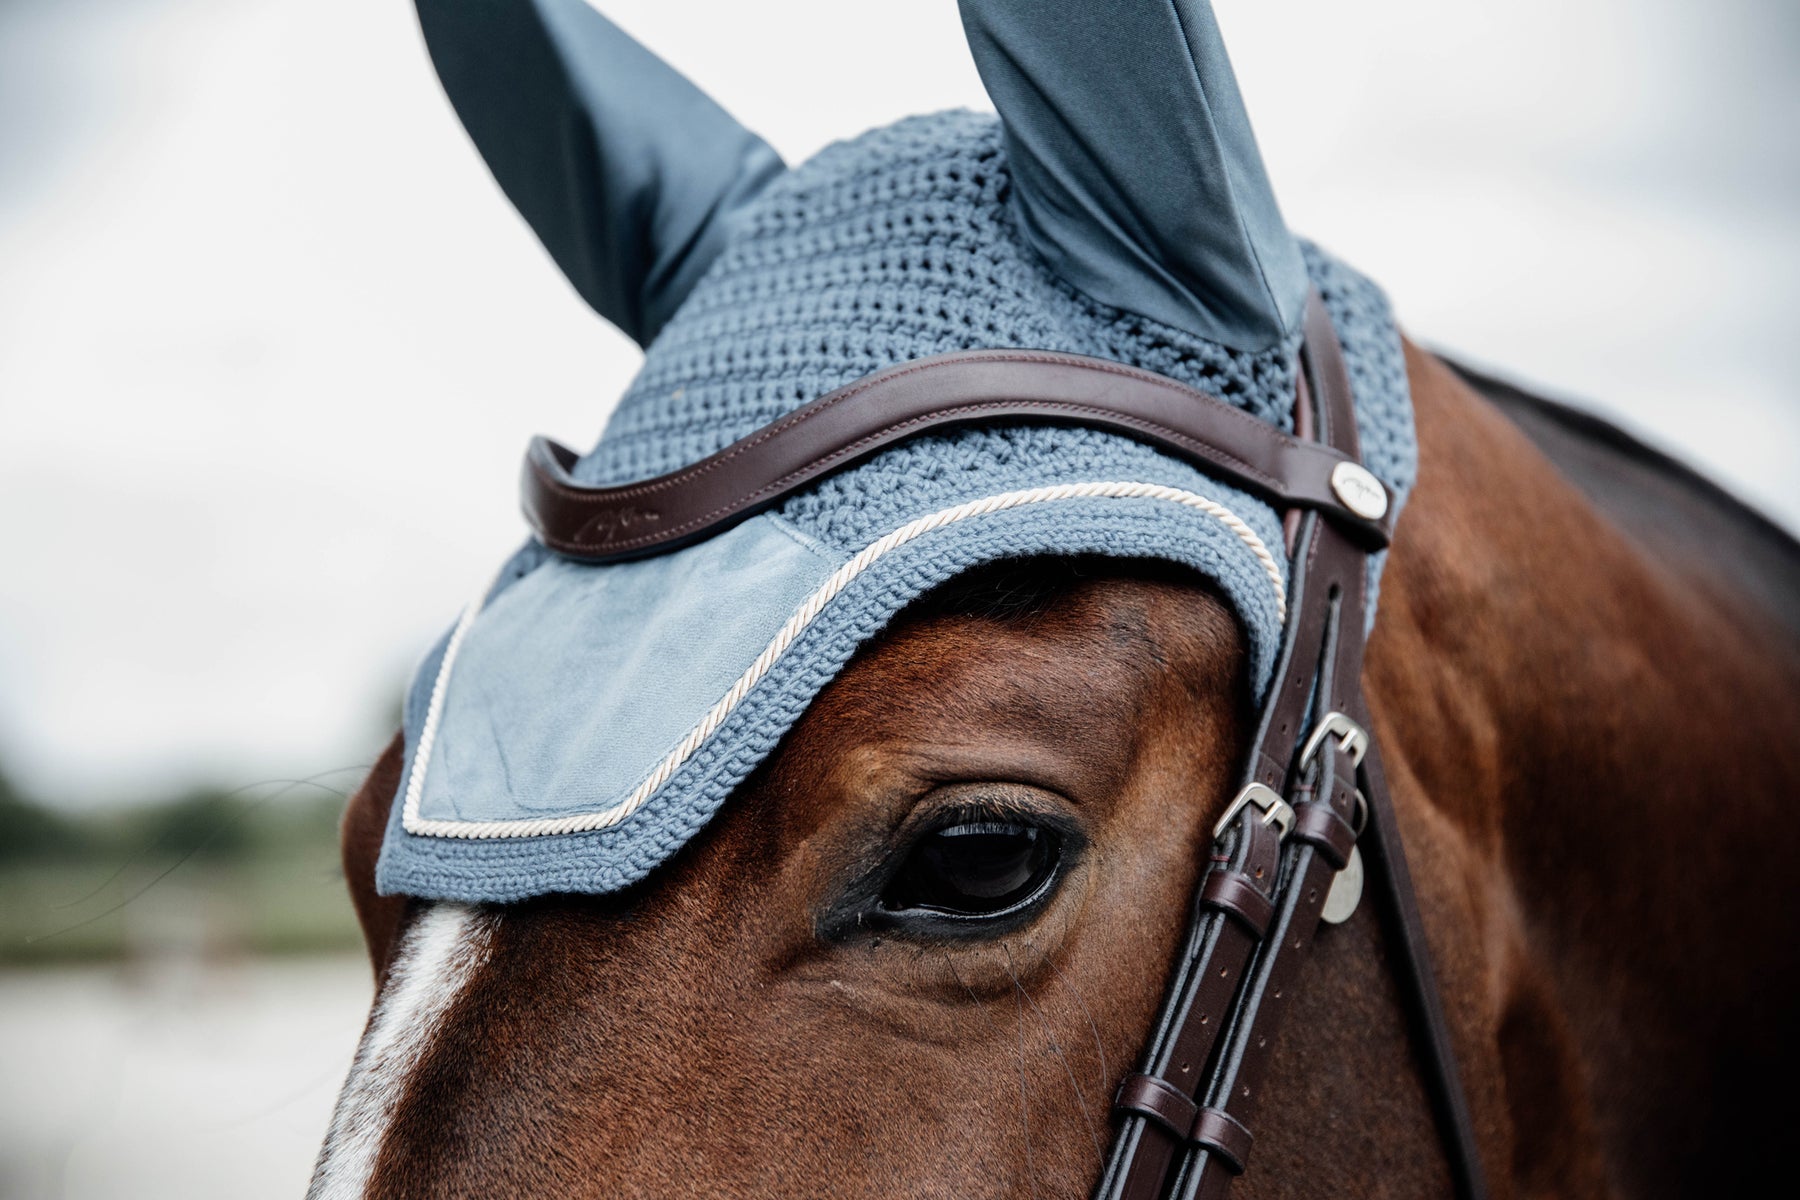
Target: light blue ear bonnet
(582,722)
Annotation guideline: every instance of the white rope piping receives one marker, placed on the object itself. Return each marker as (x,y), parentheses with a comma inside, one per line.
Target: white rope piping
(796,624)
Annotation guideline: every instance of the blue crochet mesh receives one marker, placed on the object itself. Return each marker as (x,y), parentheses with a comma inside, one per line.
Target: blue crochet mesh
(898,245)
(886,248)
(890,247)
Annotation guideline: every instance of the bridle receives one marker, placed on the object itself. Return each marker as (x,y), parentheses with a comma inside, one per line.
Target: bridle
(1287,854)
(1313,791)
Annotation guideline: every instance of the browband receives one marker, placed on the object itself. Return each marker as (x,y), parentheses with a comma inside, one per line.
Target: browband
(599,524)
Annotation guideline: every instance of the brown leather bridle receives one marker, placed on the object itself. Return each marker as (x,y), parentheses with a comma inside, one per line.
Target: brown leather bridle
(1313,790)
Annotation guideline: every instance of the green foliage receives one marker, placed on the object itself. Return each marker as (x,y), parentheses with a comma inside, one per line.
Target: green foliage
(31,833)
(209,825)
(209,872)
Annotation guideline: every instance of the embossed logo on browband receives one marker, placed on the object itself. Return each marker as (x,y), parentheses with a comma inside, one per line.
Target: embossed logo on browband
(611,525)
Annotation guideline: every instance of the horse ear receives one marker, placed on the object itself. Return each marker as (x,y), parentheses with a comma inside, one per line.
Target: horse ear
(628,173)
(1135,173)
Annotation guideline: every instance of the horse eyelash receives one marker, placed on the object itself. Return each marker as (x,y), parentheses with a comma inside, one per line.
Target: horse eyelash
(977,812)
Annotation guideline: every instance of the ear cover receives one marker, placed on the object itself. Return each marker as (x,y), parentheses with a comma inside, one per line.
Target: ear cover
(1136,175)
(628,173)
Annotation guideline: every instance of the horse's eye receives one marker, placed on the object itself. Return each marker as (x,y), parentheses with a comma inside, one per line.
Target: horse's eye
(975,869)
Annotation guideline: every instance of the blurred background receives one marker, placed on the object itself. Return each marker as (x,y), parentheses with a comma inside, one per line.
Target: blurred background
(271,343)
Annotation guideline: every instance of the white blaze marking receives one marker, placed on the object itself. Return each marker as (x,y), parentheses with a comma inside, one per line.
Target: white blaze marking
(441,951)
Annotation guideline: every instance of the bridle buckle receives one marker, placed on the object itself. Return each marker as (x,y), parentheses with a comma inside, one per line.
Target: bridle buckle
(1353,739)
(1275,810)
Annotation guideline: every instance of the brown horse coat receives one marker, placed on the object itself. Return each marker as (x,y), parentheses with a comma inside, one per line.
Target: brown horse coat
(1586,682)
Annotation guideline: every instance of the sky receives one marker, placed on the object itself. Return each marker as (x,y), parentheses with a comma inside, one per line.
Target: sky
(272,342)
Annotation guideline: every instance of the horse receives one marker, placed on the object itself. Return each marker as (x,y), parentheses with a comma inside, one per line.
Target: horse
(1585,674)
(923,946)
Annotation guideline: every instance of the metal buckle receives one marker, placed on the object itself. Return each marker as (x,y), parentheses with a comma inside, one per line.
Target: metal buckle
(1275,810)
(1352,738)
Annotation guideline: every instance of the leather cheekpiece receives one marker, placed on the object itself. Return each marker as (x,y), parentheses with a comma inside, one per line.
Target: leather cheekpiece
(1222,1069)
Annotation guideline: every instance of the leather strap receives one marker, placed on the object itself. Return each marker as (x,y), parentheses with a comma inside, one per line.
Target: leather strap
(1138,1168)
(1320,672)
(1418,980)
(598,524)
(1218,949)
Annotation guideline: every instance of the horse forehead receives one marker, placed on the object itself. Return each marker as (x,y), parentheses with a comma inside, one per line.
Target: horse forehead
(936,673)
(1062,699)
(1111,636)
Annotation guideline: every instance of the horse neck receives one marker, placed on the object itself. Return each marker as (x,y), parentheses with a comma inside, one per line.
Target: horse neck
(1591,746)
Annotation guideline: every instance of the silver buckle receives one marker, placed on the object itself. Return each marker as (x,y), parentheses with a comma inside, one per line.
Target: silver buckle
(1352,738)
(1275,810)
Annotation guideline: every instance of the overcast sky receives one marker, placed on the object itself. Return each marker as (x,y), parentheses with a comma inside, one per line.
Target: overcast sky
(271,341)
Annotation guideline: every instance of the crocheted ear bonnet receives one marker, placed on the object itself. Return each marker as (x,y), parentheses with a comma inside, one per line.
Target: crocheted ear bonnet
(582,722)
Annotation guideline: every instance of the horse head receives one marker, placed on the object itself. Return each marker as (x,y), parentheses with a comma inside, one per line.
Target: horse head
(889,892)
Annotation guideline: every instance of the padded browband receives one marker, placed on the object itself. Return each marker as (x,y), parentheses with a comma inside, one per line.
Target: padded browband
(598,524)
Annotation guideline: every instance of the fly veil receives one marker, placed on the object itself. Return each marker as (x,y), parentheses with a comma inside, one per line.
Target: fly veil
(1080,328)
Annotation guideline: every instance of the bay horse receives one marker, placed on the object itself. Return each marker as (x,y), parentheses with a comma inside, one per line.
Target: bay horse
(1586,679)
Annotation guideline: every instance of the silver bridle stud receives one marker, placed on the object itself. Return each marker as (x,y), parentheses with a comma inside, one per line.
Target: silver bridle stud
(1360,491)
